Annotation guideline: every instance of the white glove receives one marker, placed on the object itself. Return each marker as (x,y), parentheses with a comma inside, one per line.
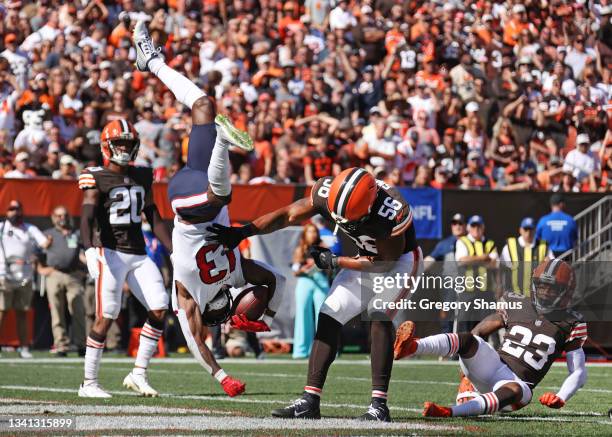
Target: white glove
(91,255)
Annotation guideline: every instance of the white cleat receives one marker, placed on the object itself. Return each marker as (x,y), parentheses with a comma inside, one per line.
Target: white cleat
(93,390)
(145,50)
(140,385)
(24,352)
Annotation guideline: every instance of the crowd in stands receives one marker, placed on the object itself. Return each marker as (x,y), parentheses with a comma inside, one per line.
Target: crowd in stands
(470,94)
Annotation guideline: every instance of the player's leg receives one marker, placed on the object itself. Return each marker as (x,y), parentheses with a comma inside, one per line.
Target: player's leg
(205,136)
(382,336)
(147,285)
(343,303)
(108,290)
(303,326)
(446,345)
(498,386)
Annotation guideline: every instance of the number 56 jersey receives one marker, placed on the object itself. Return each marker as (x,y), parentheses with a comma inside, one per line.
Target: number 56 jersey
(120,204)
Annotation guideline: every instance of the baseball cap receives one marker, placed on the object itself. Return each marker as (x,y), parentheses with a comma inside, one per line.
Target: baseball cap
(517,9)
(583,139)
(264,97)
(105,64)
(53,148)
(148,106)
(374,110)
(22,156)
(475,220)
(366,9)
(40,76)
(458,218)
(66,160)
(472,107)
(527,223)
(9,38)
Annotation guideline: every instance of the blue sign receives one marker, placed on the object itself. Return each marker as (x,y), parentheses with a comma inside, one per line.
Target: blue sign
(426,206)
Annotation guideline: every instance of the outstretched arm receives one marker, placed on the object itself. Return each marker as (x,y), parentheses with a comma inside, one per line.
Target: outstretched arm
(289,215)
(488,325)
(575,380)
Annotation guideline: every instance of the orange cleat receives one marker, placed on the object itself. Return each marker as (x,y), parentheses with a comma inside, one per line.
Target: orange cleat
(433,410)
(466,391)
(405,342)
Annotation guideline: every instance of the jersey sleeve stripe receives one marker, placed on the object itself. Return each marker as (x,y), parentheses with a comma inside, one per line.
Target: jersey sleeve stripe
(398,229)
(189,201)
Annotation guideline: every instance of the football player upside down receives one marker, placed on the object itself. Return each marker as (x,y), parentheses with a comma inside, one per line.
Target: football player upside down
(204,273)
(538,331)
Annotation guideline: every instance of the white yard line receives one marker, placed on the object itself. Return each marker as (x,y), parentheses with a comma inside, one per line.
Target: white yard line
(289,375)
(57,408)
(189,360)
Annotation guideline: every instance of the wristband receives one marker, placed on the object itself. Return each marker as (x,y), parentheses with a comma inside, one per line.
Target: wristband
(295,267)
(334,261)
(220,375)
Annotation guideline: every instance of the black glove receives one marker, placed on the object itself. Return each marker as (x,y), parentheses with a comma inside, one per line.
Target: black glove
(323,257)
(231,236)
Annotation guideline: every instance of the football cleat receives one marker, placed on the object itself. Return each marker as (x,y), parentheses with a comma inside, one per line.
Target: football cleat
(92,389)
(302,408)
(140,385)
(466,391)
(24,352)
(145,50)
(405,342)
(232,135)
(379,413)
(433,410)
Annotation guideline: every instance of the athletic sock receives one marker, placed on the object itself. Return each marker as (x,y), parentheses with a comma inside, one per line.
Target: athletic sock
(183,89)
(487,403)
(149,337)
(440,344)
(313,391)
(379,397)
(219,168)
(93,354)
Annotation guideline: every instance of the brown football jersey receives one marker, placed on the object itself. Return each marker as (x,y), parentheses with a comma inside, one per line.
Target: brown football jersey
(390,216)
(120,204)
(533,341)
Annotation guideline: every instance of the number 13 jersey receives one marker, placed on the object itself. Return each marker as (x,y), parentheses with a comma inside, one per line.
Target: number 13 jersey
(120,204)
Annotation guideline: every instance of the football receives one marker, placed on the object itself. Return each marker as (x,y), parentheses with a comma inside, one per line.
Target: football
(252,302)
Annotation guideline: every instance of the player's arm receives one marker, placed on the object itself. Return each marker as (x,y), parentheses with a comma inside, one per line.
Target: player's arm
(194,331)
(487,326)
(88,215)
(389,251)
(576,367)
(289,215)
(157,223)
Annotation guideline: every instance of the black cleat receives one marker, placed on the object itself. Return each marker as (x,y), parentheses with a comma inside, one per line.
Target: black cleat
(302,408)
(378,412)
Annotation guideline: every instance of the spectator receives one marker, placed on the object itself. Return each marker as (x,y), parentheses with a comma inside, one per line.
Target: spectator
(18,244)
(581,162)
(64,282)
(520,256)
(476,257)
(444,253)
(557,228)
(310,292)
(67,170)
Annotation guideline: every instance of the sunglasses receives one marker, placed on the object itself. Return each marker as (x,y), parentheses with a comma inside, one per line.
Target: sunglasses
(14,208)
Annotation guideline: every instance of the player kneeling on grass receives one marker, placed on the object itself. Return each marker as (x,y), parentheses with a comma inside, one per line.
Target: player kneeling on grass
(537,332)
(199,193)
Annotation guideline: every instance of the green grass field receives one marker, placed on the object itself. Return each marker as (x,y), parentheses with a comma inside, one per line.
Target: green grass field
(193,403)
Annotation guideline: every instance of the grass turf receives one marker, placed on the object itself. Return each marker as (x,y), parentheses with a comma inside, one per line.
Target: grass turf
(275,382)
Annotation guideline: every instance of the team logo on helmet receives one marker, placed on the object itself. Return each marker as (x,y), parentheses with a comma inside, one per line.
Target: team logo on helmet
(351,196)
(553,285)
(115,131)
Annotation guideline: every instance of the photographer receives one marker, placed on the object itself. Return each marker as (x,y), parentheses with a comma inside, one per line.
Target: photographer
(18,242)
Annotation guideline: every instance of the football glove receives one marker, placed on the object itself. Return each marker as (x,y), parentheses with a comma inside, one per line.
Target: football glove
(233,387)
(551,400)
(91,256)
(240,321)
(229,236)
(323,257)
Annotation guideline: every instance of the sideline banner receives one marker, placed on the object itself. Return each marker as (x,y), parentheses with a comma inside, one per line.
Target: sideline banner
(426,205)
